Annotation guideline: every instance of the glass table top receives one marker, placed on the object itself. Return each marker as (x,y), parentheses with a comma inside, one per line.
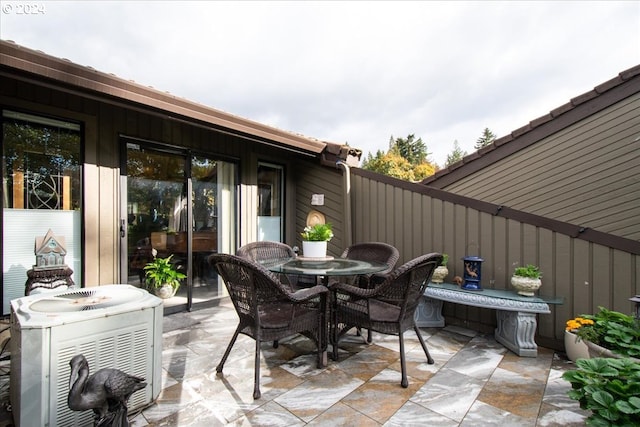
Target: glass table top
(500,293)
(328,267)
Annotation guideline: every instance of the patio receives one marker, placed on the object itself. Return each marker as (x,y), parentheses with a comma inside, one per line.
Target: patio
(474,381)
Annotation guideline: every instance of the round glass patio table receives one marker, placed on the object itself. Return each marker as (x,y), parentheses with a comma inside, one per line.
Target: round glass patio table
(328,267)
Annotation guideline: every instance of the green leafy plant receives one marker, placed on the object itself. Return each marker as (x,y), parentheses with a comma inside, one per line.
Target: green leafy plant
(609,388)
(317,233)
(445,259)
(528,271)
(612,330)
(161,271)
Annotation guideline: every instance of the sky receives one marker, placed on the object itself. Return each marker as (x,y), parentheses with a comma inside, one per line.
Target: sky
(357,72)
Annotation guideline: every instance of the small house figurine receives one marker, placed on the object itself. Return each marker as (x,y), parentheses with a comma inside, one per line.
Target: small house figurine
(50,252)
(49,272)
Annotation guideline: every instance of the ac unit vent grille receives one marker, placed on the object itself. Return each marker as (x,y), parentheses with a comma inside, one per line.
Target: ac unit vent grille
(83,300)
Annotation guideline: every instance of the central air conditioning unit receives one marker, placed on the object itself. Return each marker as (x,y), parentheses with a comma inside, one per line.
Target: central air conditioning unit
(113,326)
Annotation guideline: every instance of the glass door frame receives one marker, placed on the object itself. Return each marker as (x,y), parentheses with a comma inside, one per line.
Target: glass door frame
(187,156)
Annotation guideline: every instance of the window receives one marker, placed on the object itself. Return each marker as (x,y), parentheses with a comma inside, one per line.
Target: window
(270,202)
(42,190)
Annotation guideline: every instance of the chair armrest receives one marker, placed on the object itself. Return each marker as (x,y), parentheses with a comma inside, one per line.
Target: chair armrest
(354,290)
(308,293)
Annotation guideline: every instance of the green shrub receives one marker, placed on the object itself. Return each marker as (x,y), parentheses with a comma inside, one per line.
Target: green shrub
(609,388)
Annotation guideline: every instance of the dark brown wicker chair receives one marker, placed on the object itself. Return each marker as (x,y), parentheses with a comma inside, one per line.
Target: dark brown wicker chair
(377,252)
(267,308)
(270,253)
(388,307)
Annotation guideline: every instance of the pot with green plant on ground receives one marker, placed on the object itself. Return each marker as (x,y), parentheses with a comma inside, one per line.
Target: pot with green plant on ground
(314,240)
(526,280)
(610,333)
(441,271)
(609,388)
(162,276)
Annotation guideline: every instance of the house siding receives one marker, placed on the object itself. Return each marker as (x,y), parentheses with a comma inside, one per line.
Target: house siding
(585,273)
(314,180)
(586,174)
(106,123)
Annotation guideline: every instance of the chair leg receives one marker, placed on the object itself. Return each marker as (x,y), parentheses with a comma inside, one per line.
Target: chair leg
(424,345)
(256,369)
(403,363)
(228,350)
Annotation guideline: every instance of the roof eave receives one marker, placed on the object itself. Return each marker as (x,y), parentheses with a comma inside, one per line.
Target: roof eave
(88,79)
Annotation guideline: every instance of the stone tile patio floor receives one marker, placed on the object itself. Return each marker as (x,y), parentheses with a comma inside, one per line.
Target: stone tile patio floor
(474,381)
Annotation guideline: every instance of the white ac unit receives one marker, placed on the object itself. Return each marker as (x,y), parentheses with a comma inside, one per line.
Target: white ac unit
(113,326)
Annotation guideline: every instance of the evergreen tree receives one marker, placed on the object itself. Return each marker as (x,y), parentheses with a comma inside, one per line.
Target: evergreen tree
(414,150)
(487,138)
(456,155)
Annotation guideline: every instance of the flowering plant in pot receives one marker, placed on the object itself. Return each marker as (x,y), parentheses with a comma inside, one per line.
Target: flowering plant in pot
(314,240)
(609,333)
(163,276)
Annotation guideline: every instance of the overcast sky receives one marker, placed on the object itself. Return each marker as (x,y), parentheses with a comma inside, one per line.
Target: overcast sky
(349,72)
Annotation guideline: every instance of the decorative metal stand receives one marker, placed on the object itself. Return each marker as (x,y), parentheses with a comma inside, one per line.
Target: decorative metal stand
(106,392)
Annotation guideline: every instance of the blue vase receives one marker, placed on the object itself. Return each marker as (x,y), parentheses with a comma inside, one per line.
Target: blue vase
(472,273)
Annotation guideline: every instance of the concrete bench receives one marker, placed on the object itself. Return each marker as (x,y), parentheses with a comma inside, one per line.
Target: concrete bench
(516,314)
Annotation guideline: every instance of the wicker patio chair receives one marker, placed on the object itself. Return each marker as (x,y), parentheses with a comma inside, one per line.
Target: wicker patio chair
(269,253)
(372,251)
(388,307)
(268,309)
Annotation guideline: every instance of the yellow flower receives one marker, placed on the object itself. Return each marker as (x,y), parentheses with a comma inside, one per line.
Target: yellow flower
(577,323)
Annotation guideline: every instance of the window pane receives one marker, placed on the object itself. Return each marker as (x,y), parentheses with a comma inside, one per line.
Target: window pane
(270,201)
(41,179)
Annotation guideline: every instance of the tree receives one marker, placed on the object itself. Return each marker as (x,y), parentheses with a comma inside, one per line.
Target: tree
(485,139)
(456,155)
(411,149)
(406,159)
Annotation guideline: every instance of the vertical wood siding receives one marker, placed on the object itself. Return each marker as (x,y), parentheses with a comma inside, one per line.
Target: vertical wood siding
(312,179)
(586,174)
(585,274)
(104,124)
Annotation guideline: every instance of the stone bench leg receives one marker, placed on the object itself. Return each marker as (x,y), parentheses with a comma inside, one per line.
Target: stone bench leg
(429,313)
(516,331)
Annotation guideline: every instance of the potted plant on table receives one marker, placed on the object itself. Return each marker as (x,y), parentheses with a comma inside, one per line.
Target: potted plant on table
(526,280)
(314,240)
(162,276)
(441,271)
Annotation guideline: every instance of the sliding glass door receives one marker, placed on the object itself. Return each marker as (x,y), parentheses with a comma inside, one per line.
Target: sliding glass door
(180,205)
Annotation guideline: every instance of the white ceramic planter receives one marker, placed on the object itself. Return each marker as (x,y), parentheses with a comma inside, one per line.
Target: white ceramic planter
(525,285)
(165,291)
(314,249)
(575,348)
(439,274)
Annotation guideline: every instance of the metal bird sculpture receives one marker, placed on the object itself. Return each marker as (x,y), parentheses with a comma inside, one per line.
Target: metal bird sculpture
(106,392)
